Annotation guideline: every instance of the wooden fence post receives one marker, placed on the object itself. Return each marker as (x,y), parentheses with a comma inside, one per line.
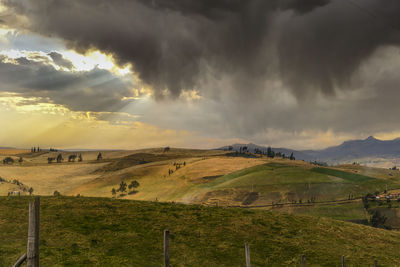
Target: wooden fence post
(33,234)
(375,263)
(247,251)
(303,260)
(166,248)
(343,262)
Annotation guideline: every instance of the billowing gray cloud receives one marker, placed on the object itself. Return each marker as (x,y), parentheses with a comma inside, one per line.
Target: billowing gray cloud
(290,65)
(95,90)
(313,45)
(60,60)
(171,43)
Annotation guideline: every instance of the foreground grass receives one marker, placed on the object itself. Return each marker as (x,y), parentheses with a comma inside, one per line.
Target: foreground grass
(106,232)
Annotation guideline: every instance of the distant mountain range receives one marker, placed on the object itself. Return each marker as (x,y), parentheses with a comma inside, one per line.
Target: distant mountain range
(354,149)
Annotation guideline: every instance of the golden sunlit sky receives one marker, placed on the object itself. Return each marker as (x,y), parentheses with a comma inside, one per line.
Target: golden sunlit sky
(137,75)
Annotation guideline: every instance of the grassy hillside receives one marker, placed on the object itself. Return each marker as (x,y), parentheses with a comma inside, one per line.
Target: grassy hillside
(351,211)
(156,182)
(282,182)
(207,177)
(106,232)
(70,178)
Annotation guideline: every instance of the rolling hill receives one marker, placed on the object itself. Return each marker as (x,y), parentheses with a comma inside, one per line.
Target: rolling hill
(197,176)
(205,177)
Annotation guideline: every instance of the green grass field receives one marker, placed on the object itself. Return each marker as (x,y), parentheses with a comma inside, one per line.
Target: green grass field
(352,212)
(287,182)
(350,177)
(106,232)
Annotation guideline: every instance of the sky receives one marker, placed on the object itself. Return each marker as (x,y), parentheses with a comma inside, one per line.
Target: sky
(129,74)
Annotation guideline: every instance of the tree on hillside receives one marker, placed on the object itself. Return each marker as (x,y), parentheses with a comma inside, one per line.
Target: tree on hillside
(59,158)
(56,193)
(365,202)
(270,152)
(71,158)
(30,191)
(134,184)
(378,220)
(122,187)
(113,191)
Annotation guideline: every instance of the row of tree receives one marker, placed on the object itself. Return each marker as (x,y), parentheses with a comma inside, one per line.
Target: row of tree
(269,152)
(123,186)
(59,158)
(35,149)
(38,149)
(10,160)
(71,158)
(177,167)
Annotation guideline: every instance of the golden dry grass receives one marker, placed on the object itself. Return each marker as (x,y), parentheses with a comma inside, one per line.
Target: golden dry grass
(48,178)
(7,152)
(81,177)
(155,183)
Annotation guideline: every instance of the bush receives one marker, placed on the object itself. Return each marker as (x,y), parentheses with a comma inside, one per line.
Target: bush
(8,160)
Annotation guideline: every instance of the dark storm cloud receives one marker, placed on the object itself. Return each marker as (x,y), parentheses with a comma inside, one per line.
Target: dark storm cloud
(247,58)
(324,49)
(60,60)
(95,90)
(171,43)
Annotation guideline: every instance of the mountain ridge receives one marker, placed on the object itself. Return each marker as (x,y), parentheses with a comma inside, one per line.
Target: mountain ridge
(351,149)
